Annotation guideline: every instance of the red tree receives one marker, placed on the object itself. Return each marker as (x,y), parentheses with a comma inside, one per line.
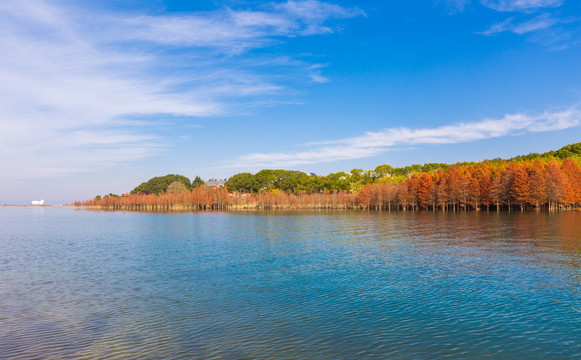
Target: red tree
(424,188)
(519,187)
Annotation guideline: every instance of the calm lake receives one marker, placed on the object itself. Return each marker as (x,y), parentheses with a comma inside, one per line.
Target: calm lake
(289,285)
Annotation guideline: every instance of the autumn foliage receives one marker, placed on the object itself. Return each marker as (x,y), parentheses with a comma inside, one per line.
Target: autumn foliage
(199,198)
(535,184)
(500,185)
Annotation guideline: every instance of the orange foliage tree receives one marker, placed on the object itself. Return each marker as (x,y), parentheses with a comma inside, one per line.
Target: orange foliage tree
(530,184)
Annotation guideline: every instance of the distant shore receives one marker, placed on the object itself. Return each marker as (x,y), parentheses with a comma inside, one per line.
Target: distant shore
(32,206)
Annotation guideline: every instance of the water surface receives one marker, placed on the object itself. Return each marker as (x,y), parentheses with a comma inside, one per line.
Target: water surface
(289,285)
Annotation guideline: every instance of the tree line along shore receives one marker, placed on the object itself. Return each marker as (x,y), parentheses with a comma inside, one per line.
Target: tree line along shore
(549,182)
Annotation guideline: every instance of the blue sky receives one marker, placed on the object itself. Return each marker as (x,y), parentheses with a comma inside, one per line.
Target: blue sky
(97,97)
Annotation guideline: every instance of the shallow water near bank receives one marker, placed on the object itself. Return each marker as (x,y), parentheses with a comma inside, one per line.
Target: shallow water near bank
(289,285)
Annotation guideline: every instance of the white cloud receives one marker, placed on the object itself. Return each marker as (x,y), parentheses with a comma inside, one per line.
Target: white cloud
(316,73)
(80,88)
(312,14)
(541,22)
(373,143)
(521,5)
(236,30)
(525,6)
(529,16)
(457,5)
(537,19)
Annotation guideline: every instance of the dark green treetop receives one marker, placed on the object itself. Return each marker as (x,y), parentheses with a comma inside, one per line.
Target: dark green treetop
(159,184)
(197,182)
(243,182)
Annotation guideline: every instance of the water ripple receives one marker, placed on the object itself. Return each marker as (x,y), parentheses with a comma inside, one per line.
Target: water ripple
(338,285)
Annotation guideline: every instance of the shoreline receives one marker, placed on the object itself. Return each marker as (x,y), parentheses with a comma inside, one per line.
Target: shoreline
(32,206)
(283,208)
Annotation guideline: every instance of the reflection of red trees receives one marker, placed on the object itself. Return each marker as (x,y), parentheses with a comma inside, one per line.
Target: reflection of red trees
(500,185)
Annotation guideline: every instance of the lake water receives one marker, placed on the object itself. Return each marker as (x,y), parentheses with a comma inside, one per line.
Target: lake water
(289,285)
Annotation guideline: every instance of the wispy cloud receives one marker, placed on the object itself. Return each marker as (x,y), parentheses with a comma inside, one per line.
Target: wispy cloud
(455,6)
(236,31)
(527,16)
(316,73)
(506,5)
(82,89)
(373,143)
(312,14)
(541,22)
(521,5)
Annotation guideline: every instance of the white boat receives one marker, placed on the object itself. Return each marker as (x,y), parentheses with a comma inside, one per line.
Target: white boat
(36,202)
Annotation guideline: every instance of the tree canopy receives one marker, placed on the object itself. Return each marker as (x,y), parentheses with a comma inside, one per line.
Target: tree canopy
(176,187)
(292,181)
(197,182)
(567,151)
(550,180)
(549,184)
(160,184)
(243,182)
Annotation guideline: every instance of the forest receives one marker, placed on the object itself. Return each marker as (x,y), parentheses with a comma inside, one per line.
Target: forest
(549,181)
